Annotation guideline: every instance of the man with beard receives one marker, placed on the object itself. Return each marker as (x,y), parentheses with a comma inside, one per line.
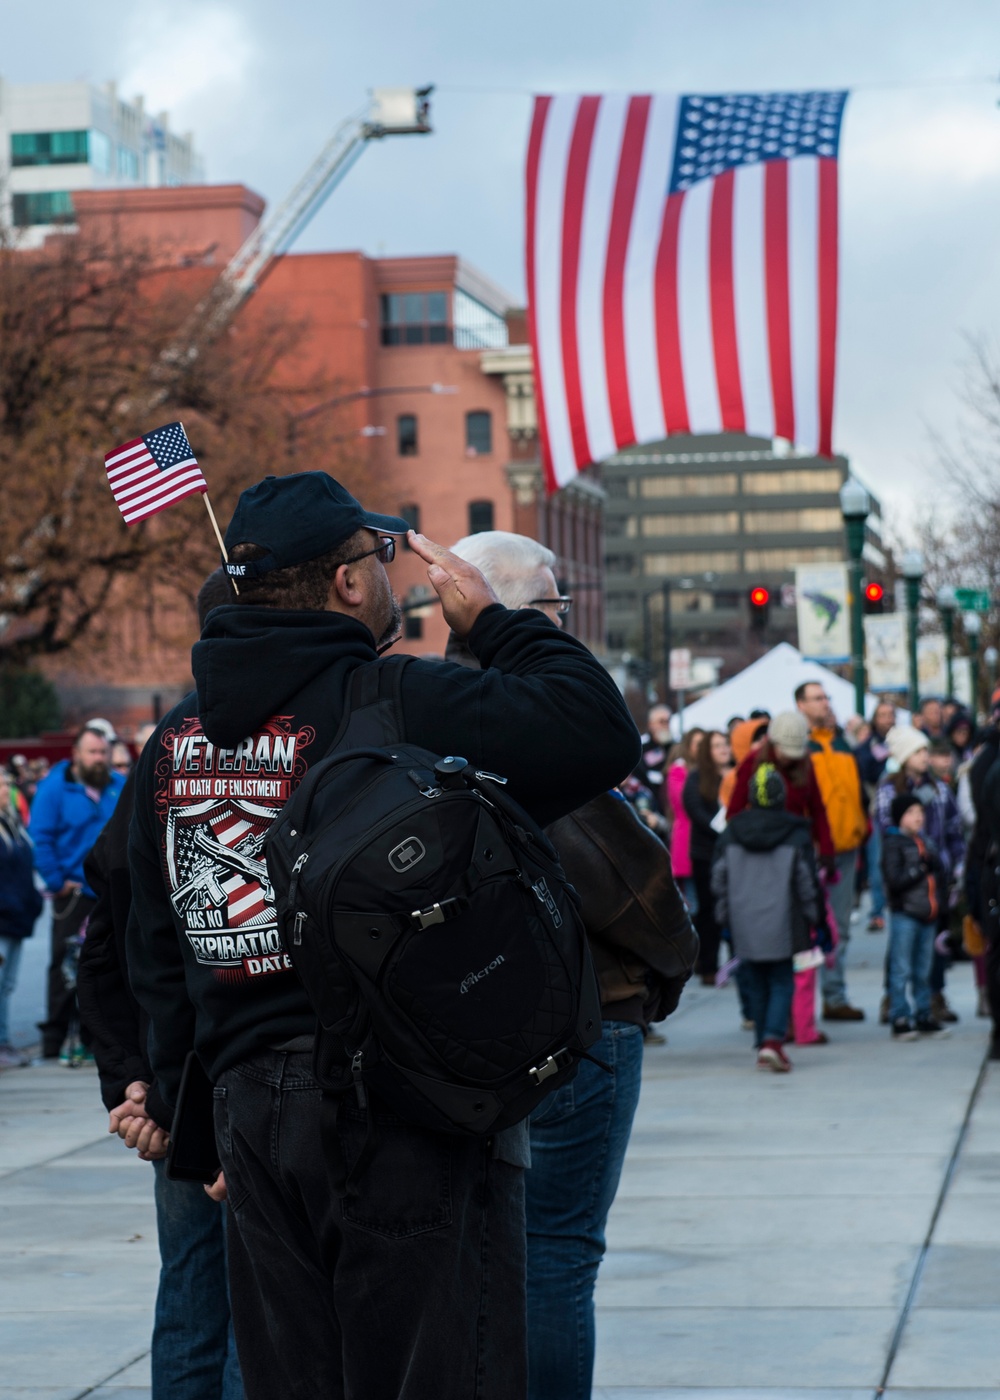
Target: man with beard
(413,1283)
(71,806)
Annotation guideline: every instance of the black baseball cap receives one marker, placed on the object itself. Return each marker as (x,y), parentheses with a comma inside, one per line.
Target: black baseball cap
(298,518)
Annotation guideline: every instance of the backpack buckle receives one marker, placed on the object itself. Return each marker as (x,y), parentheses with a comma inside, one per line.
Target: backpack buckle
(438,913)
(549,1067)
(424,918)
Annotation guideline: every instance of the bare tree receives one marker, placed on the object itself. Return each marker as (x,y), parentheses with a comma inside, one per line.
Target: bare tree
(959,533)
(82,327)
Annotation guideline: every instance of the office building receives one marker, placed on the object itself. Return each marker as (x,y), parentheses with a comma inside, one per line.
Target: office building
(59,138)
(713,518)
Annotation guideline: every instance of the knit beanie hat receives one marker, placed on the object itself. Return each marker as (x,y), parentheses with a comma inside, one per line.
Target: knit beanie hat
(903,741)
(789,732)
(902,803)
(767,787)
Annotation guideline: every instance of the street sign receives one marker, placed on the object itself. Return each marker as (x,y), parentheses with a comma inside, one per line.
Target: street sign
(680,668)
(972,599)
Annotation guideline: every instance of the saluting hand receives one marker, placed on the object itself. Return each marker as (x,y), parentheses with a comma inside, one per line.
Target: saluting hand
(463,590)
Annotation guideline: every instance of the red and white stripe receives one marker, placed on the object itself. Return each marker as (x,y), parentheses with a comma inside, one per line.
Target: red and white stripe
(711,310)
(140,488)
(244,896)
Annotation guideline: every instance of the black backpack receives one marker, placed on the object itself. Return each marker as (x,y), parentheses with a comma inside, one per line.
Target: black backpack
(432,927)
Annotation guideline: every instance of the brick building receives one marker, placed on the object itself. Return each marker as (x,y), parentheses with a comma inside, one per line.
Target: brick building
(429,399)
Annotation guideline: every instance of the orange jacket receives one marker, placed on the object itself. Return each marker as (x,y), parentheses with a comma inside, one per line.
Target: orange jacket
(839,780)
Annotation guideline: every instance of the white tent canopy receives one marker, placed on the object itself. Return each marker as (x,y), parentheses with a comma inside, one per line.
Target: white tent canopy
(769,684)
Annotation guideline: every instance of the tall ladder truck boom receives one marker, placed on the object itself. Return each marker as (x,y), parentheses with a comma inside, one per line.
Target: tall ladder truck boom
(388,112)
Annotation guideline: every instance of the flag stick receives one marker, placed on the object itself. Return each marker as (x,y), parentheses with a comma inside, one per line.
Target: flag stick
(218,536)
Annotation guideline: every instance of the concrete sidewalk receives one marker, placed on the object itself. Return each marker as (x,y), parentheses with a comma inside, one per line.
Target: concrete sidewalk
(763,1245)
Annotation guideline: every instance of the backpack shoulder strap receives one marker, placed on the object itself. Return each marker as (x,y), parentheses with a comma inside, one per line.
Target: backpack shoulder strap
(373,715)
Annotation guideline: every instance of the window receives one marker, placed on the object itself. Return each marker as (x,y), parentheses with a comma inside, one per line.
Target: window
(478,433)
(720,562)
(476,326)
(128,164)
(48,148)
(621,526)
(100,152)
(812,520)
(415,318)
(411,514)
(755,560)
(406,434)
(619,563)
(789,481)
(704,484)
(413,627)
(480,516)
(716,522)
(44,207)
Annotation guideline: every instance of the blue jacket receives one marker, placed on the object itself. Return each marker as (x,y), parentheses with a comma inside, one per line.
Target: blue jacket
(20,902)
(65,823)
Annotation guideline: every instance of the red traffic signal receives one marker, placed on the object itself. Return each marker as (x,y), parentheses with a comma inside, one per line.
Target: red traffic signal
(759,597)
(874,593)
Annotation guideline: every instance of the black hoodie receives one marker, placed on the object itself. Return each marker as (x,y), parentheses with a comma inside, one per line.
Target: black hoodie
(204,954)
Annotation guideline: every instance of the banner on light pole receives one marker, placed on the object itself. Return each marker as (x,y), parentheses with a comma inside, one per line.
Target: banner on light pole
(886,663)
(932,666)
(822,612)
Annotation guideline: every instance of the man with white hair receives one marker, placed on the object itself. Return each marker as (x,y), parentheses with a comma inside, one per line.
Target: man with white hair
(519,569)
(580,1134)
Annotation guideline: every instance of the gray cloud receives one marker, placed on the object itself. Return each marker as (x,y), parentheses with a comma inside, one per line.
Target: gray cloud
(263,85)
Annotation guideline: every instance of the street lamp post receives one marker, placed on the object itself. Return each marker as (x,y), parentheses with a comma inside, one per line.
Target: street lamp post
(913,573)
(973,626)
(854,506)
(947,605)
(668,639)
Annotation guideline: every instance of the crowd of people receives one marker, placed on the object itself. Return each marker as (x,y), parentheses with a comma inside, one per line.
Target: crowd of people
(776,827)
(50,817)
(364,1252)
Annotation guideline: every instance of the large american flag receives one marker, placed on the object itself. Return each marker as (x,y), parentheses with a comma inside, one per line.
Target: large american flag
(152,472)
(682,269)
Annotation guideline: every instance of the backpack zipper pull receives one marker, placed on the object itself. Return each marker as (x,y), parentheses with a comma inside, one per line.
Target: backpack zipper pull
(300,919)
(296,868)
(359,1087)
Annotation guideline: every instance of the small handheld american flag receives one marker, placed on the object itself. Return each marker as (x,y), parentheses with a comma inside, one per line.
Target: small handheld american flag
(152,472)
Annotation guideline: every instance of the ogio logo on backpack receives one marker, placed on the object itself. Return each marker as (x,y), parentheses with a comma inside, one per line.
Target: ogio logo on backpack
(407,854)
(544,894)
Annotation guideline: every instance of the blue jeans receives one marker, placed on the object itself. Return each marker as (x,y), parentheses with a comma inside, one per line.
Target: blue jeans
(769,989)
(911,951)
(690,893)
(193,1353)
(413,1287)
(10,951)
(875,873)
(578,1141)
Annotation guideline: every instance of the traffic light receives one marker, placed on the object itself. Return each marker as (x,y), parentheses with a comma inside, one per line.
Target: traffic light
(760,601)
(874,597)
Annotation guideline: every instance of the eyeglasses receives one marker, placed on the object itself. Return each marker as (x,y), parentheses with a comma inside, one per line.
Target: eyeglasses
(385,552)
(561,605)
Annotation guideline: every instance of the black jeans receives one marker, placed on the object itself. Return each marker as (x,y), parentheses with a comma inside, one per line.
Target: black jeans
(68,913)
(709,933)
(413,1288)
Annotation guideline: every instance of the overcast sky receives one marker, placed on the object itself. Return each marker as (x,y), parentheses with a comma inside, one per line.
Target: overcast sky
(262,86)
